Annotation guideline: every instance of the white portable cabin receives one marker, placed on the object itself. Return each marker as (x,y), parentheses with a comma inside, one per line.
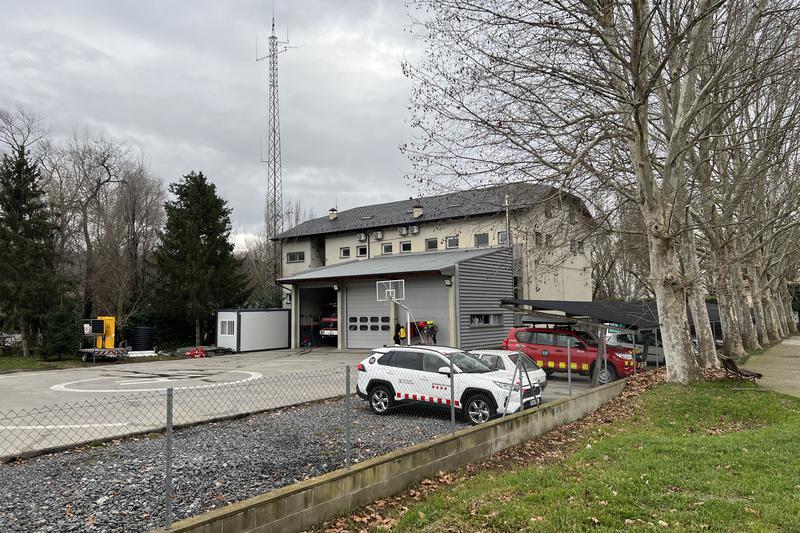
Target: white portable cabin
(247,330)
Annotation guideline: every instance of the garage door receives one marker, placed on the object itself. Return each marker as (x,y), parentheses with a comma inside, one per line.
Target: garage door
(428,299)
(367,320)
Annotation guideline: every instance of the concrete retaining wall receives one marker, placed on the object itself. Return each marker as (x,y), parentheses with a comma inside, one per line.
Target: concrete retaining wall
(301,505)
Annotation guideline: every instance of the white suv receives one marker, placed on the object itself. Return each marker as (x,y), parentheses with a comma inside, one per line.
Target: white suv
(506,360)
(636,341)
(399,374)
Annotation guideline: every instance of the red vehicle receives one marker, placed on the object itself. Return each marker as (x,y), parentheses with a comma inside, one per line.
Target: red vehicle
(329,324)
(548,348)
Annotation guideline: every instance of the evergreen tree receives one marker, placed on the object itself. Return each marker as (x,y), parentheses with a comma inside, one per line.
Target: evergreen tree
(196,266)
(62,333)
(29,282)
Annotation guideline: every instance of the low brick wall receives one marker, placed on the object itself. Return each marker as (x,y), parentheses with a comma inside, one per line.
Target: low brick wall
(301,505)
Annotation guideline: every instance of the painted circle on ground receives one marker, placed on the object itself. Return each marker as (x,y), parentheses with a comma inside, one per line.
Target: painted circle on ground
(178,380)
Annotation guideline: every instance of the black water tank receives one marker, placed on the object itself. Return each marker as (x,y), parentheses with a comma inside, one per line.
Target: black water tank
(141,339)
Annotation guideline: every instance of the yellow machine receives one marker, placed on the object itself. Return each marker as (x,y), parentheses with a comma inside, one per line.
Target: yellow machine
(106,340)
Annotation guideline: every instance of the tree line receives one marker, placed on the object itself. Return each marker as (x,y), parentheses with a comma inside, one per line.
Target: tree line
(676,122)
(86,229)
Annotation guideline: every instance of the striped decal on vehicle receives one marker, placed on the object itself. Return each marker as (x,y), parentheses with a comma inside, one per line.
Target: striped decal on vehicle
(429,399)
(551,364)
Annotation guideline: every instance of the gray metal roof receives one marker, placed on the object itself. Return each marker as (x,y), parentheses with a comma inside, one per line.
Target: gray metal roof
(459,204)
(392,264)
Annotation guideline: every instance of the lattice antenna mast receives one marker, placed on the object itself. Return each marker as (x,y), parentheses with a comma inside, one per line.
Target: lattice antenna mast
(274,209)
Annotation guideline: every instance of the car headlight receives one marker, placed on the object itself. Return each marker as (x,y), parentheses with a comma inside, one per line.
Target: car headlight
(506,386)
(625,355)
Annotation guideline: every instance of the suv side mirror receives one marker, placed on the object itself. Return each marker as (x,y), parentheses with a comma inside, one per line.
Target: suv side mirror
(445,370)
(579,346)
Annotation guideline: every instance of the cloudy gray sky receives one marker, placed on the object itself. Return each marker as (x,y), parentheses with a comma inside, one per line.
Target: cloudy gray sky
(179,79)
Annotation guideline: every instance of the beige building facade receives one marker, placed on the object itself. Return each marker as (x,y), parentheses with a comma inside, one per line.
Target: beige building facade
(546,229)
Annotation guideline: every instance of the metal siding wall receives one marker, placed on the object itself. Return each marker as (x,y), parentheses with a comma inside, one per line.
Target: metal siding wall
(482,282)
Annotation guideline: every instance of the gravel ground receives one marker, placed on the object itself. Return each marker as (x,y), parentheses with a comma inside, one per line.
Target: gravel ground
(119,487)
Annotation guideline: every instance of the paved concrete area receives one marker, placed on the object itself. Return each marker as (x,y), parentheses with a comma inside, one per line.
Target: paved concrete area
(25,390)
(780,366)
(43,410)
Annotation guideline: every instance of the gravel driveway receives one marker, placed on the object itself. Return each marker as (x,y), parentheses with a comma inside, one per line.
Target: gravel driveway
(119,487)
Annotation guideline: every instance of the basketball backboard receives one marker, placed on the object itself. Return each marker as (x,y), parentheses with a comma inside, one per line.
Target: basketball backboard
(390,290)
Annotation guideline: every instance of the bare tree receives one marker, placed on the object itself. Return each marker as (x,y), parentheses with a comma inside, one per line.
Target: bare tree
(21,128)
(589,95)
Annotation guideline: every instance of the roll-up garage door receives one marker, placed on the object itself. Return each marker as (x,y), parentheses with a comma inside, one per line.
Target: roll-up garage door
(368,325)
(367,320)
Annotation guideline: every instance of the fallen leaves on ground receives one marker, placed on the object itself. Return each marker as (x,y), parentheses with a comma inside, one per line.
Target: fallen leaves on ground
(551,447)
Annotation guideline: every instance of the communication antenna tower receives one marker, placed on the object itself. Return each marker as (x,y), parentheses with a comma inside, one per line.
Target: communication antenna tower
(273,213)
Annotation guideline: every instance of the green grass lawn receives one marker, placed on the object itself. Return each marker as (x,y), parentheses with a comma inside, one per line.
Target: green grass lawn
(704,457)
(10,364)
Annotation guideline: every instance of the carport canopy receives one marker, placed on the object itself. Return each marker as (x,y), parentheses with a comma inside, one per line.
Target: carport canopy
(639,315)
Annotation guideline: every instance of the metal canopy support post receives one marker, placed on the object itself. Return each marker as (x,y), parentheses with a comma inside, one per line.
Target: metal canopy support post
(517,367)
(569,367)
(603,351)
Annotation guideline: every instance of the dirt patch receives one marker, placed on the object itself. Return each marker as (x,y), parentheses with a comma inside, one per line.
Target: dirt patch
(731,426)
(551,447)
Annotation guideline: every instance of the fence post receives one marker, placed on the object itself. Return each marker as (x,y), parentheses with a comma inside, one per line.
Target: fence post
(347,423)
(168,469)
(452,398)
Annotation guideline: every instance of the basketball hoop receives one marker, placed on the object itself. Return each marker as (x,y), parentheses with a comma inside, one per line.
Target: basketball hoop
(390,290)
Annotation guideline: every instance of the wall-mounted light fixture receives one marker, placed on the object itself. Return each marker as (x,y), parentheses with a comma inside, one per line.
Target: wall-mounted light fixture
(448,282)
(335,287)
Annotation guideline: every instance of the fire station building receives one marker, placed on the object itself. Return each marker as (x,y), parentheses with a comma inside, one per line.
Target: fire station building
(458,255)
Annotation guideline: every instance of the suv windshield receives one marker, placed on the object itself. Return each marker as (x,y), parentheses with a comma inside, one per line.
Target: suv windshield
(468,363)
(587,337)
(527,364)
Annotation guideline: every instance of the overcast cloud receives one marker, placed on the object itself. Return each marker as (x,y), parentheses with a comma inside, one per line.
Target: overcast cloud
(179,79)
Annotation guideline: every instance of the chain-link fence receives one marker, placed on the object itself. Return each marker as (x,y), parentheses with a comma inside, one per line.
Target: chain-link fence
(210,444)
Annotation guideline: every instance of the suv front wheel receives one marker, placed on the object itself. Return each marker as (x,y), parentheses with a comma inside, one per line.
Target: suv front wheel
(478,409)
(380,399)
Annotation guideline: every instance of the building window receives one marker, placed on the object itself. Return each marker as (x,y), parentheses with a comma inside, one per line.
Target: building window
(227,328)
(548,239)
(361,251)
(572,215)
(431,244)
(344,252)
(486,320)
(452,242)
(502,237)
(386,248)
(579,246)
(295,257)
(405,246)
(538,238)
(548,210)
(481,239)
